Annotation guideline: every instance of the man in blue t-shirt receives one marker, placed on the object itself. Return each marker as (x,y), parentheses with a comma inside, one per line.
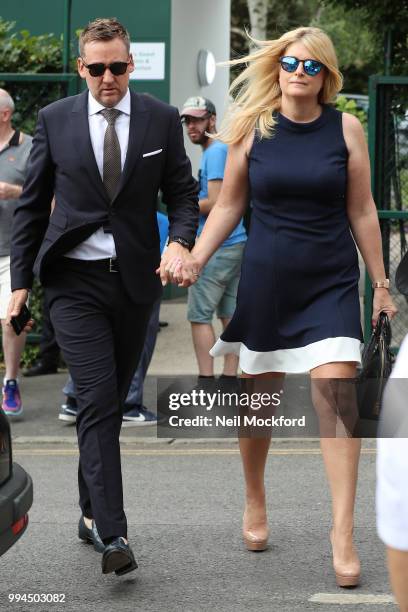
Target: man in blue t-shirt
(216,289)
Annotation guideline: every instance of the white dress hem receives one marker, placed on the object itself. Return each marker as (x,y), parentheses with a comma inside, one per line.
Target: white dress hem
(295,360)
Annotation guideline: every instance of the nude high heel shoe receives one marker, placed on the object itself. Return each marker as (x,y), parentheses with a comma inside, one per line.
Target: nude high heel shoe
(256,538)
(346,576)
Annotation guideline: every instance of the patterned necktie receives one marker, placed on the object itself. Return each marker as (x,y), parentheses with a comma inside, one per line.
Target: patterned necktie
(112,169)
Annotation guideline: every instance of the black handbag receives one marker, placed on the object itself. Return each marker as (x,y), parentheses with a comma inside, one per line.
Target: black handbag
(377,364)
(401,275)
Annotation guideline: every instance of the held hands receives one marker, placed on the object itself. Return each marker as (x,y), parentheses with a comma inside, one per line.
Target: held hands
(178,266)
(8,191)
(18,299)
(382,302)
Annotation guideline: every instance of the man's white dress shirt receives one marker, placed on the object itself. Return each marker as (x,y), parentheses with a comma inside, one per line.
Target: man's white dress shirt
(101,245)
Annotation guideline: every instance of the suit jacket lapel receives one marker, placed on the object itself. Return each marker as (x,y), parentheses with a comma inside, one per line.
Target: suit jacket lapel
(82,142)
(139,121)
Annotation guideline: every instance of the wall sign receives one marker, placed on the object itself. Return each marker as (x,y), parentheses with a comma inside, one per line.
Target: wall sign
(149,61)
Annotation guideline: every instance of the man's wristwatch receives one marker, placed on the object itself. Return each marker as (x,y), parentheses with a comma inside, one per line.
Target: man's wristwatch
(185,243)
(382,284)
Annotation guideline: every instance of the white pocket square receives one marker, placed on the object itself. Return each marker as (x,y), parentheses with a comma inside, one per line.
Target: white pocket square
(152,153)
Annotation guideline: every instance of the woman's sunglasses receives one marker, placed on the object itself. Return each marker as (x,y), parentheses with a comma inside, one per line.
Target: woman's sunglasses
(310,66)
(116,68)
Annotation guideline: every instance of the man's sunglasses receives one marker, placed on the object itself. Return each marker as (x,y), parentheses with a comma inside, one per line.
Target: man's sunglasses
(310,66)
(116,68)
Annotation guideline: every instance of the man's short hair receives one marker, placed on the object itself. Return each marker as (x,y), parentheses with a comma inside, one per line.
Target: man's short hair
(6,101)
(103,29)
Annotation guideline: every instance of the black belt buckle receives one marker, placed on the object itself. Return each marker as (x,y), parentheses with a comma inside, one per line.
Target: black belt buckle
(113,264)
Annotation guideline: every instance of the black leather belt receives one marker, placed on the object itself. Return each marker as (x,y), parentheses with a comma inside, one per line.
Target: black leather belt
(110,264)
(113,264)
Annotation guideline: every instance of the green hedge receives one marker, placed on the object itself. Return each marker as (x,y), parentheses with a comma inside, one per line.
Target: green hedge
(20,52)
(350,106)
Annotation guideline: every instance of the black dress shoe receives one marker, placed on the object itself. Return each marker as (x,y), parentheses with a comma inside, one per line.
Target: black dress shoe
(40,368)
(118,557)
(91,536)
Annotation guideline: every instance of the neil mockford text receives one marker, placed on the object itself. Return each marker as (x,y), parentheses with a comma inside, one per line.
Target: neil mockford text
(209,401)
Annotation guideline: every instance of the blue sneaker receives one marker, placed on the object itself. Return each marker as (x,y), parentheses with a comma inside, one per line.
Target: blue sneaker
(69,410)
(137,417)
(11,404)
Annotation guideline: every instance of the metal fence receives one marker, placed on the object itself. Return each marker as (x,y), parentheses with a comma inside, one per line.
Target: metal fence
(33,91)
(388,146)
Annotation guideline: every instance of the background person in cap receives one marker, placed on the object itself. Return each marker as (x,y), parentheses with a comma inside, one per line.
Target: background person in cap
(216,289)
(14,151)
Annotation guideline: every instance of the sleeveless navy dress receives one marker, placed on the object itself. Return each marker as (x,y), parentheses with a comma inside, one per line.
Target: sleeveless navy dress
(298,301)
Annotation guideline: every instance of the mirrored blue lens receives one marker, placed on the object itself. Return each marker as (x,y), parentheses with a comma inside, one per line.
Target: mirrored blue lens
(312,67)
(289,63)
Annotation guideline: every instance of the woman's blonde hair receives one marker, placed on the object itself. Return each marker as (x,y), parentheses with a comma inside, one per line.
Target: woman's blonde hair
(256,91)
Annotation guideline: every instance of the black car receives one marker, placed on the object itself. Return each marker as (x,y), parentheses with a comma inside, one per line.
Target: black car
(16,492)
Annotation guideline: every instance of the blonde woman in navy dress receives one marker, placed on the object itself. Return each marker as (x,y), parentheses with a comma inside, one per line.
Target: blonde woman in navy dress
(306,166)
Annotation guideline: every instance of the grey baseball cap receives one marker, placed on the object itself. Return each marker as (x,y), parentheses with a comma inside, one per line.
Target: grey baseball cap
(197,106)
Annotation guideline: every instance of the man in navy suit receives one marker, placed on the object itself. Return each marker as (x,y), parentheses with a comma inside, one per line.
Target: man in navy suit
(105,154)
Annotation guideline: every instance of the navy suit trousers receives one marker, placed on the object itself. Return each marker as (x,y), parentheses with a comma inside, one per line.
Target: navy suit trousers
(101,333)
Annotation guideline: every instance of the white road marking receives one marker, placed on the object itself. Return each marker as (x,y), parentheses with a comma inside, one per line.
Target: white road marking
(168,452)
(351,599)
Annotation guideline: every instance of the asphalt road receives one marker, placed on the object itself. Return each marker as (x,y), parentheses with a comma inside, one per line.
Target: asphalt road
(184,506)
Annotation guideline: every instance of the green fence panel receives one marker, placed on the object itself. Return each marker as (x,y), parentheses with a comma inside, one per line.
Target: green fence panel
(388,148)
(145,20)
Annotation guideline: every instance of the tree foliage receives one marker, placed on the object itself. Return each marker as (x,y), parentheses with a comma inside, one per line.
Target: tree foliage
(280,17)
(350,106)
(357,47)
(354,42)
(383,18)
(20,52)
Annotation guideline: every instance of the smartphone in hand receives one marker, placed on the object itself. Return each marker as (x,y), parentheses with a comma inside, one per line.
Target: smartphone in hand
(20,321)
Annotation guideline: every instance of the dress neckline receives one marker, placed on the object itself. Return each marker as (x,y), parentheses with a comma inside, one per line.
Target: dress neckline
(304,127)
